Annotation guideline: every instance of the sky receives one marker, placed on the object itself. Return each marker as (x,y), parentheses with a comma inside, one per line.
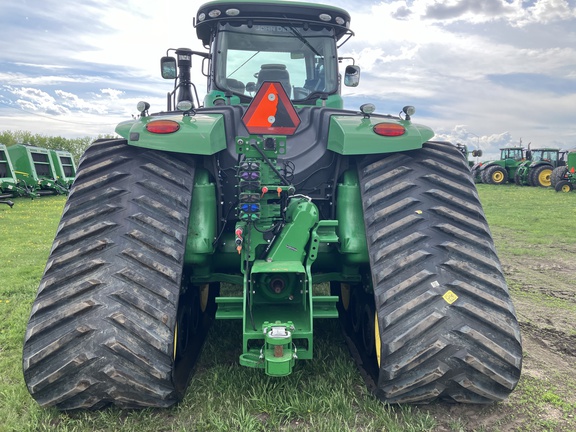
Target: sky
(485,73)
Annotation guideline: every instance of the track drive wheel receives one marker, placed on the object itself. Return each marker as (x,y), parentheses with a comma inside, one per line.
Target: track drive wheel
(114,321)
(564,186)
(446,326)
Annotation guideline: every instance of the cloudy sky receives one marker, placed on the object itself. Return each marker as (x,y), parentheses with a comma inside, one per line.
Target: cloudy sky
(479,72)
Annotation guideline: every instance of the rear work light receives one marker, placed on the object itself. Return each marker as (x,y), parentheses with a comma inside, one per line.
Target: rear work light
(162,126)
(389,129)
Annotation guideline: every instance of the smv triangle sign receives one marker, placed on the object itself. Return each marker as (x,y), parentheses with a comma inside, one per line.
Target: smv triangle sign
(271,112)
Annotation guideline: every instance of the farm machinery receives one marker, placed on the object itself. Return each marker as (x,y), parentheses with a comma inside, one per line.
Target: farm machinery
(10,185)
(35,171)
(563,178)
(500,171)
(269,204)
(537,171)
(474,153)
(64,167)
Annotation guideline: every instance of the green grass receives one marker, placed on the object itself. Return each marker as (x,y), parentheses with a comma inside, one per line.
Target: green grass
(326,394)
(527,220)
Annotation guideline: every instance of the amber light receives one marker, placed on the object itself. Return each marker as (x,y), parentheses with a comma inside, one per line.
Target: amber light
(162,126)
(389,129)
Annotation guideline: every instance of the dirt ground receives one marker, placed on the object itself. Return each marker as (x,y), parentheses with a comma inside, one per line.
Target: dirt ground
(544,294)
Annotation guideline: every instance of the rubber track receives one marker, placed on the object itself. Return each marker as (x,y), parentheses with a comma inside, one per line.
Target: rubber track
(101,327)
(428,237)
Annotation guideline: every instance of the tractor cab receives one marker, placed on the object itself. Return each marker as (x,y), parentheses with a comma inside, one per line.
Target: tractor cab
(513,153)
(552,156)
(251,43)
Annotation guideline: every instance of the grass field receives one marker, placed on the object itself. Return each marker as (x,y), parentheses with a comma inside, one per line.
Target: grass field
(535,234)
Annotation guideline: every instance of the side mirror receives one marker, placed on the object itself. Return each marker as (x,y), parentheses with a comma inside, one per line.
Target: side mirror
(251,87)
(352,76)
(477,153)
(168,68)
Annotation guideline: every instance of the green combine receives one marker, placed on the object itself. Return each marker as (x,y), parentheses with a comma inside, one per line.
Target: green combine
(269,204)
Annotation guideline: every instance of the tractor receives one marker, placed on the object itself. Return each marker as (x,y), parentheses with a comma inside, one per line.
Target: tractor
(499,171)
(537,171)
(270,205)
(563,178)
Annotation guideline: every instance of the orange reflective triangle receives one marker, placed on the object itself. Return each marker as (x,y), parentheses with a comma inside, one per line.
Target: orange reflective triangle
(271,112)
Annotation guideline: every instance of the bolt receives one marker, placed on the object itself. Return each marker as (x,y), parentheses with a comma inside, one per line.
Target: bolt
(240,141)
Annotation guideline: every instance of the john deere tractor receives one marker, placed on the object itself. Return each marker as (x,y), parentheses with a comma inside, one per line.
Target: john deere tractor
(563,178)
(499,171)
(269,204)
(537,171)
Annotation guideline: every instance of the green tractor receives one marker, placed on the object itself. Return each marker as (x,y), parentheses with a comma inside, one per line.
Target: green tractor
(499,171)
(302,210)
(33,168)
(563,178)
(537,171)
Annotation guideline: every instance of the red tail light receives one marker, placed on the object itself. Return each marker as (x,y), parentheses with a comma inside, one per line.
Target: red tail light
(162,126)
(389,129)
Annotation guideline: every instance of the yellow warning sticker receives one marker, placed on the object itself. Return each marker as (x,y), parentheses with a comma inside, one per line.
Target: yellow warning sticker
(450,297)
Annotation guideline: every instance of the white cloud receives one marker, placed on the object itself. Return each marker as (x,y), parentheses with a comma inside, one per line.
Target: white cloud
(93,62)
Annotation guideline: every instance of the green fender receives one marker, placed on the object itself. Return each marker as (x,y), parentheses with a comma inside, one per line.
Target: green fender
(201,134)
(354,135)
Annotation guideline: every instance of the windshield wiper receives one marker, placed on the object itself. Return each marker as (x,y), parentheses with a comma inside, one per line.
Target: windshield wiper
(304,41)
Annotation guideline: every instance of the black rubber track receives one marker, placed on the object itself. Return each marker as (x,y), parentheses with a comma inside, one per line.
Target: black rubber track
(101,330)
(447,324)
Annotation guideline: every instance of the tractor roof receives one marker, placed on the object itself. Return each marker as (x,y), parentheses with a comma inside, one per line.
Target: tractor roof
(273,12)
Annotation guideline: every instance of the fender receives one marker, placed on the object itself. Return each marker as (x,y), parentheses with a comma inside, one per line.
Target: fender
(536,164)
(201,134)
(354,135)
(487,165)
